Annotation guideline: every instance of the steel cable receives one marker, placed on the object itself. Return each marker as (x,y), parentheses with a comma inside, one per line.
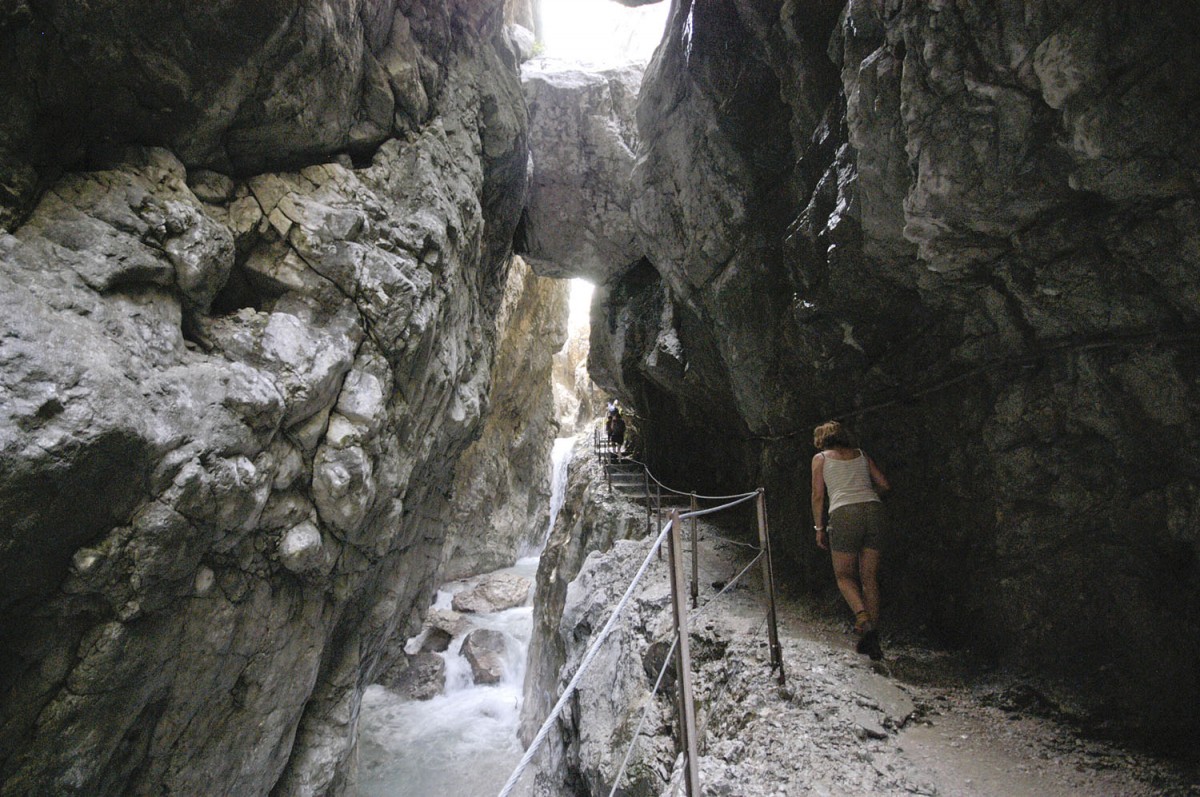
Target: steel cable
(583,665)
(645,713)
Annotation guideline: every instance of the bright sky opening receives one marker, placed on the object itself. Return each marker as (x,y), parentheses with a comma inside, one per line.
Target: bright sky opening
(580,304)
(602,32)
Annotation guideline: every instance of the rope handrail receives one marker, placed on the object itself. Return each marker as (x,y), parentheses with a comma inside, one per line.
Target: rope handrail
(694,613)
(600,638)
(603,448)
(731,541)
(654,478)
(583,665)
(662,671)
(701,512)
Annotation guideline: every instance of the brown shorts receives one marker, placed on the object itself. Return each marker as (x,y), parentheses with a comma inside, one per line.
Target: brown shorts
(856,526)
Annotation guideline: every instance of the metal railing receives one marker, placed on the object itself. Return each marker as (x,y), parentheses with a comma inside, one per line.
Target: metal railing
(672,534)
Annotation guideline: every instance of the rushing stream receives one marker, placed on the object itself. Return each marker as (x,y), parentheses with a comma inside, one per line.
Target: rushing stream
(463,742)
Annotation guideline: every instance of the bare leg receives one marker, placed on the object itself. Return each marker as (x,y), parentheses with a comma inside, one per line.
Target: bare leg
(845,570)
(868,569)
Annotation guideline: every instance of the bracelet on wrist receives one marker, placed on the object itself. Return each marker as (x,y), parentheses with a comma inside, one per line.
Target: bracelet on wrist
(818,528)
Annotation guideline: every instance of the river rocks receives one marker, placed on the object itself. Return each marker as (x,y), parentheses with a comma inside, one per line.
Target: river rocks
(233,398)
(583,136)
(448,622)
(493,593)
(954,226)
(417,677)
(484,649)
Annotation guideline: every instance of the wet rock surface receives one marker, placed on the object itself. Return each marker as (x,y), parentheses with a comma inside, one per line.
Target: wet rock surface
(919,722)
(493,593)
(417,677)
(233,398)
(501,488)
(484,649)
(969,230)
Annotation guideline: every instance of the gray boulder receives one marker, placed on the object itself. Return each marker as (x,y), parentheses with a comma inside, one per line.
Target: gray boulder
(584,140)
(484,649)
(418,677)
(494,593)
(447,621)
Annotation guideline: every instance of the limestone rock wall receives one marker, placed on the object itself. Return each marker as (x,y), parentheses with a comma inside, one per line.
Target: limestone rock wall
(589,521)
(237,365)
(582,132)
(577,399)
(501,493)
(970,230)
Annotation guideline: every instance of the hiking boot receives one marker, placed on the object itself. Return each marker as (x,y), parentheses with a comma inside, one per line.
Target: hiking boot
(869,645)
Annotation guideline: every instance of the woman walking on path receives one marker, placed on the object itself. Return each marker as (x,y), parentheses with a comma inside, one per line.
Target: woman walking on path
(856,525)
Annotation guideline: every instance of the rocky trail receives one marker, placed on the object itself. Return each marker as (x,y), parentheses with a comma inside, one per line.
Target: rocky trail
(919,722)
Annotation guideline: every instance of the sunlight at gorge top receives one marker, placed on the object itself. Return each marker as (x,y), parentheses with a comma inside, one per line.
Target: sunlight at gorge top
(601,32)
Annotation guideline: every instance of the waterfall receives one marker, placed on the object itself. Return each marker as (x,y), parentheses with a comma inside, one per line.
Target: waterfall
(462,743)
(560,460)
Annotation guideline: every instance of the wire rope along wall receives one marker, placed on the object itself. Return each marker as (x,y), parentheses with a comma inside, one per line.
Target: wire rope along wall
(687,768)
(593,650)
(583,665)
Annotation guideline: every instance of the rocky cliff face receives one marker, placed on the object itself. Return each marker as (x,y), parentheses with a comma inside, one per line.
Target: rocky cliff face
(237,365)
(567,609)
(971,230)
(501,492)
(577,221)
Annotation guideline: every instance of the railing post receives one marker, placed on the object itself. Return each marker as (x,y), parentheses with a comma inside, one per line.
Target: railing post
(695,557)
(683,662)
(657,505)
(764,541)
(601,445)
(649,529)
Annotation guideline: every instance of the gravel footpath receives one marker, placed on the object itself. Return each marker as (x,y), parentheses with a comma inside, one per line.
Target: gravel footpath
(918,722)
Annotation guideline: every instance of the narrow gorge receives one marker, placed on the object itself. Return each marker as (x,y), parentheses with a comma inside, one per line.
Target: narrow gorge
(285,301)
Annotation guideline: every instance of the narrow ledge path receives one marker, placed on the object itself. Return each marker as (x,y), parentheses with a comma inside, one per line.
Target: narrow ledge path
(919,722)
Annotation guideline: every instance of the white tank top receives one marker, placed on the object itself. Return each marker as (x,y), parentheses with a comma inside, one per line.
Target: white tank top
(848,481)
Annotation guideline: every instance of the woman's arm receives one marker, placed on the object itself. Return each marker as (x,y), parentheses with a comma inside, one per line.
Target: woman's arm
(881,482)
(818,500)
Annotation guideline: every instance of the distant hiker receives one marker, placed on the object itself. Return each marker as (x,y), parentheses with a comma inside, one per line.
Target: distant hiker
(616,431)
(856,528)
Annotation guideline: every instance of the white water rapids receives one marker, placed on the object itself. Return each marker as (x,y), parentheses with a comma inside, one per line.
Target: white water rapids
(463,742)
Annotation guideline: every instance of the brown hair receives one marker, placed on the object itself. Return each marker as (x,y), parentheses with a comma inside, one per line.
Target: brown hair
(831,434)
